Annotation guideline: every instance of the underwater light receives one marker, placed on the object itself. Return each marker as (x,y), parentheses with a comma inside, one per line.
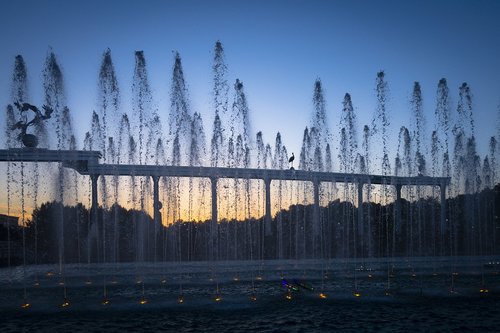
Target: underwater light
(253,298)
(236,279)
(50,273)
(88,282)
(36,283)
(322,296)
(105,301)
(258,278)
(218,298)
(163,281)
(65,303)
(25,305)
(357,294)
(484,291)
(370,276)
(288,296)
(143,301)
(180,299)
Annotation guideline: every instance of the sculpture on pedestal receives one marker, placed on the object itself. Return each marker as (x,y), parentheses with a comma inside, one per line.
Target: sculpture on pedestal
(30,140)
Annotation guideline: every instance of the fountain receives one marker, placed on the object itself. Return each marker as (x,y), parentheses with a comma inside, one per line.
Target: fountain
(161,220)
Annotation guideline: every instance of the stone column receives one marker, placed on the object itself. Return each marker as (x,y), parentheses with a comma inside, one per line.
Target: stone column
(267,219)
(397,207)
(95,203)
(156,200)
(360,208)
(213,227)
(443,206)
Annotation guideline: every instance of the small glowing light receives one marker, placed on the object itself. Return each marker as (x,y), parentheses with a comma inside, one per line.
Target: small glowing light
(114,281)
(322,296)
(138,281)
(370,276)
(25,305)
(253,298)
(288,296)
(143,301)
(455,273)
(36,283)
(50,273)
(180,299)
(414,275)
(434,274)
(388,293)
(61,283)
(484,290)
(88,282)
(65,303)
(163,281)
(105,301)
(357,294)
(259,278)
(218,298)
(236,278)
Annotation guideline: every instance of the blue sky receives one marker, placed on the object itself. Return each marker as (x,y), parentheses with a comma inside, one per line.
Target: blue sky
(277,48)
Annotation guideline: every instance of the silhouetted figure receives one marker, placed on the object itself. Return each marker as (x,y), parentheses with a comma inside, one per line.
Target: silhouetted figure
(290,160)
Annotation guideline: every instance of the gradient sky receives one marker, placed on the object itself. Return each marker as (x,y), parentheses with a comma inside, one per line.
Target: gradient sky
(277,48)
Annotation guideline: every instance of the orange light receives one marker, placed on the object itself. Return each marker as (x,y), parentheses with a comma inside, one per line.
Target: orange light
(288,296)
(218,298)
(50,273)
(143,301)
(322,296)
(105,301)
(25,305)
(357,294)
(253,298)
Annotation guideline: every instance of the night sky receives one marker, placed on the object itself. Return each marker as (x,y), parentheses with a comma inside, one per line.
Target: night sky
(276,48)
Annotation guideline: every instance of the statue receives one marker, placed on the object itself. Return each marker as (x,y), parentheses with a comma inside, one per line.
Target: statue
(30,140)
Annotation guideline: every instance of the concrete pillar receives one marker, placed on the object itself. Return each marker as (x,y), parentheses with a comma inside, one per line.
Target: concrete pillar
(360,208)
(213,227)
(316,222)
(397,207)
(443,207)
(267,219)
(95,203)
(156,200)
